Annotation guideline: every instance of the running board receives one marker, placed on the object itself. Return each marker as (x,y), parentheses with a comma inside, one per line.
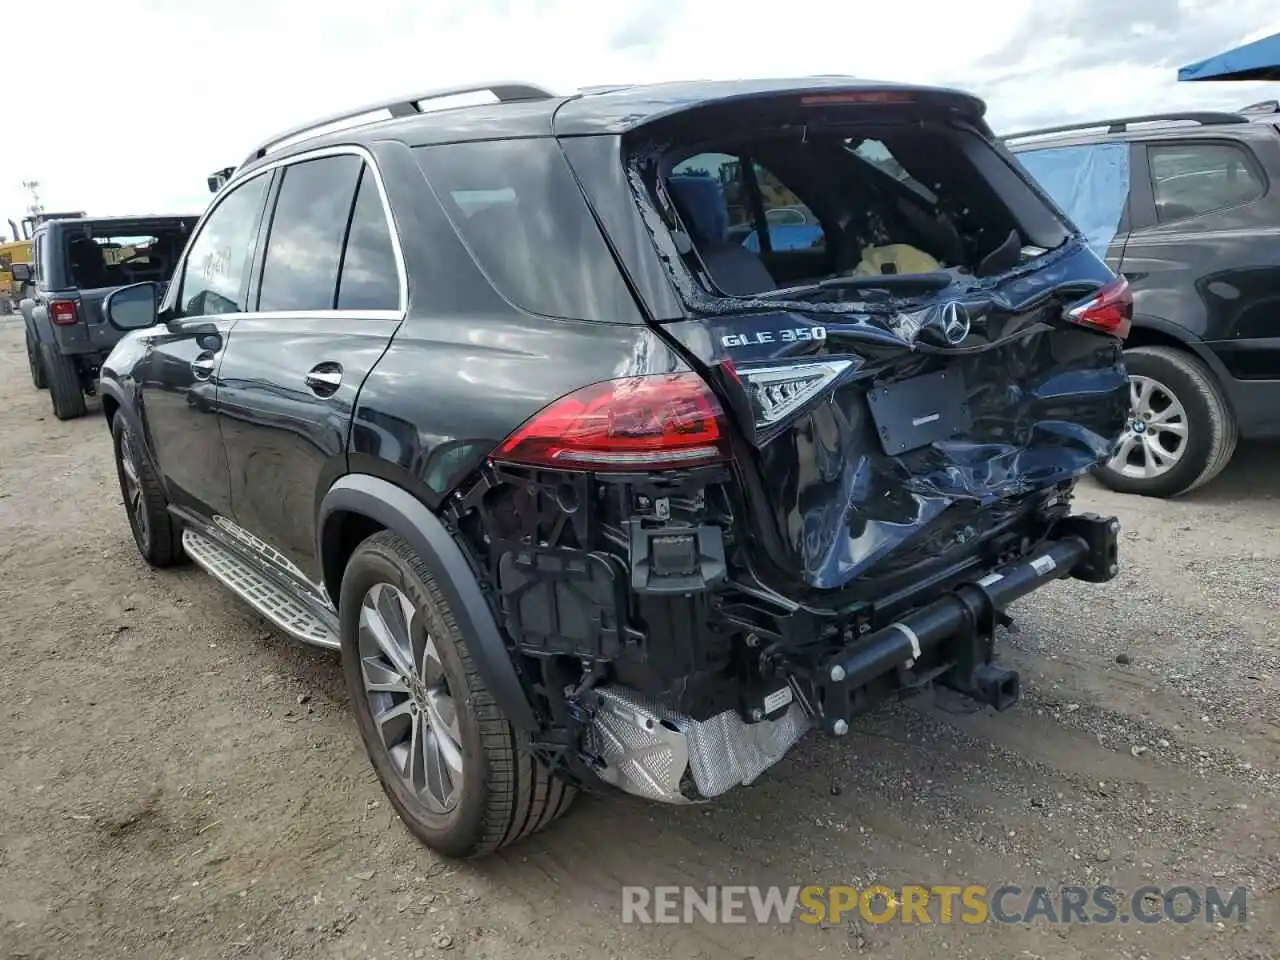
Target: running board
(273,602)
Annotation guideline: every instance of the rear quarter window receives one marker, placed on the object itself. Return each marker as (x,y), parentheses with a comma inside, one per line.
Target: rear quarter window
(521,213)
(1090,182)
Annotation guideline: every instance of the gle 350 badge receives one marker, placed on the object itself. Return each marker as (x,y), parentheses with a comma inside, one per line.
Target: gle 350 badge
(786,335)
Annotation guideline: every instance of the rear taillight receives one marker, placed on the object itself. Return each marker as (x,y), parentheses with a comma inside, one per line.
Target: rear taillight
(1110,310)
(635,423)
(62,312)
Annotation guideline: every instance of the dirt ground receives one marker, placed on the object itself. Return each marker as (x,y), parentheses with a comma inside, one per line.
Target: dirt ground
(180,781)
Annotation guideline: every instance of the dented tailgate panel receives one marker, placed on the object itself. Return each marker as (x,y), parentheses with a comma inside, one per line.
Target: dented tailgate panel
(905,454)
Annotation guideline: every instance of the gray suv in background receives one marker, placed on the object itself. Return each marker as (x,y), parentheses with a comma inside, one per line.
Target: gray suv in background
(77,263)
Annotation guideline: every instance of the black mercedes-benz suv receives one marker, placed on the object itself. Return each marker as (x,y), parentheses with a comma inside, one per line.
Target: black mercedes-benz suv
(586,491)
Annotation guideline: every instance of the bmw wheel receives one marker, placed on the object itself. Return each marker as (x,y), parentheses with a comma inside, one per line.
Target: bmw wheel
(1180,433)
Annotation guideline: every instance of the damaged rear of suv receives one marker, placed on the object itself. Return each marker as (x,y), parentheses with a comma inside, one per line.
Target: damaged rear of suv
(712,414)
(868,450)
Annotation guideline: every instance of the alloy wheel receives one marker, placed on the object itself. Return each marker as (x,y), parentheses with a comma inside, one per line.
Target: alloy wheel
(1155,438)
(408,697)
(133,500)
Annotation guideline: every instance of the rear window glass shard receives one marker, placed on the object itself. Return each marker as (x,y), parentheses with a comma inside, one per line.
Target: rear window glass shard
(519,210)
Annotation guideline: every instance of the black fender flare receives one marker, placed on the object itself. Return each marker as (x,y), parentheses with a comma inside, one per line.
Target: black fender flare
(405,515)
(1196,346)
(109,389)
(40,329)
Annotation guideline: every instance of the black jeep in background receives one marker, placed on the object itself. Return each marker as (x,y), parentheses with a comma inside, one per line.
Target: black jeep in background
(1186,206)
(77,263)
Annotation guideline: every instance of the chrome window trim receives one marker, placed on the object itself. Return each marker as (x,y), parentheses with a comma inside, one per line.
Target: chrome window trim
(333,151)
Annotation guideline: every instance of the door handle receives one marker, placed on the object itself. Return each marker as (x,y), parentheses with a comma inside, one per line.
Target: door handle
(324,379)
(202,366)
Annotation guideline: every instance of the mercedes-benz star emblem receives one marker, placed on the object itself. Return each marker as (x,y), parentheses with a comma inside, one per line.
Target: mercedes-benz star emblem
(954,322)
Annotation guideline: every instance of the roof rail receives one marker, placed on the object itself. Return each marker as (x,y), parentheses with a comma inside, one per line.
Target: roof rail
(604,88)
(407,106)
(1204,118)
(1262,106)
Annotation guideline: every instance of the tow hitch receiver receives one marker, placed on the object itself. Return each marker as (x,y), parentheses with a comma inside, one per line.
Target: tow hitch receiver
(955,634)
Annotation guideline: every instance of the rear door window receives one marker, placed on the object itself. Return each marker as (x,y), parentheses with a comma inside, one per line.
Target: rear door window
(1190,179)
(522,216)
(1090,182)
(305,238)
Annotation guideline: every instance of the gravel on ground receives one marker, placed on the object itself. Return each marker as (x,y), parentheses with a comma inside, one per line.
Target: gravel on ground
(181,781)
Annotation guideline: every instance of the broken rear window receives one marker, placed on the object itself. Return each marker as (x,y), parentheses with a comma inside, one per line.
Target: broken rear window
(759,211)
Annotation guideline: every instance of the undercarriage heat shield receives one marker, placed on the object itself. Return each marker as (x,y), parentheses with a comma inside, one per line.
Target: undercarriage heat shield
(654,753)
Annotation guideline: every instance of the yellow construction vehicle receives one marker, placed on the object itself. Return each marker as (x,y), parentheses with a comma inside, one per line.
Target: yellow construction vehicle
(19,251)
(11,290)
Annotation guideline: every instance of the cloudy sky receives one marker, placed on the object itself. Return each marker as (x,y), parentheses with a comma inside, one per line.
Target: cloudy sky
(152,95)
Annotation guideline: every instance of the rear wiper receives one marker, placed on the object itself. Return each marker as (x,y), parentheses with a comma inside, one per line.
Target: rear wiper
(889,282)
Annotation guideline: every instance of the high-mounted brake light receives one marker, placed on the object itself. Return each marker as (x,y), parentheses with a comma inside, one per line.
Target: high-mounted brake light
(635,423)
(859,96)
(62,312)
(1110,310)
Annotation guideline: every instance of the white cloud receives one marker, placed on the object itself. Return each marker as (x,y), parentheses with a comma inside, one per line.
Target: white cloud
(154,95)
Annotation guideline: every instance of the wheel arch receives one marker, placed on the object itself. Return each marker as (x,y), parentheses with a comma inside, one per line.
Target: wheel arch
(115,403)
(1149,331)
(360,503)
(38,327)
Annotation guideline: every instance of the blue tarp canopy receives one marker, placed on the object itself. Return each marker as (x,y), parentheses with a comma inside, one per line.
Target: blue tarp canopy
(1259,60)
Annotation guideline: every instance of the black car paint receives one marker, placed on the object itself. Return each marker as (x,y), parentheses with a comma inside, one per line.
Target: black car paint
(430,395)
(179,410)
(285,443)
(488,374)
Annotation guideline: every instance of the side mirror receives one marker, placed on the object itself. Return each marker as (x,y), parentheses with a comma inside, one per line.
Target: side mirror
(20,272)
(219,178)
(131,308)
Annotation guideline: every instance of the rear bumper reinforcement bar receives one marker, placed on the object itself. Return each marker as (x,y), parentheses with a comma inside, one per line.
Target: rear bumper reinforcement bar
(959,626)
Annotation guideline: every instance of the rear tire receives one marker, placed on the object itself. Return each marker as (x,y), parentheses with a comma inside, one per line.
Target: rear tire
(155,532)
(1173,391)
(481,791)
(34,364)
(64,383)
